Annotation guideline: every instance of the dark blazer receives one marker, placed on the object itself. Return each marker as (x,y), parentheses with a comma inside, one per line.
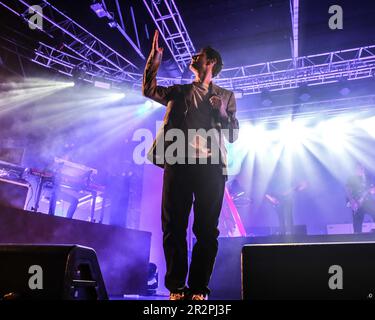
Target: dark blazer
(177,99)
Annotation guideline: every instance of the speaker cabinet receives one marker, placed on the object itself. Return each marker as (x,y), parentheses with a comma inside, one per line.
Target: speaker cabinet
(328,271)
(58,272)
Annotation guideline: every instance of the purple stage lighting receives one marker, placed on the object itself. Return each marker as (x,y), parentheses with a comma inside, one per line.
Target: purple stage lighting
(99,10)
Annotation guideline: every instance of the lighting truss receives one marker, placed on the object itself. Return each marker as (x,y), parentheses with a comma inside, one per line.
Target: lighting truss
(351,64)
(80,45)
(66,63)
(101,11)
(172,28)
(100,61)
(323,108)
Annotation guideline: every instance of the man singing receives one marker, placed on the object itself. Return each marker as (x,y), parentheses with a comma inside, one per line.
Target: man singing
(196,178)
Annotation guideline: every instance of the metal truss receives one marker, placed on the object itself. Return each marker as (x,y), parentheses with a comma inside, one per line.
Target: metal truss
(67,64)
(84,51)
(10,47)
(169,22)
(351,64)
(81,48)
(323,108)
(101,11)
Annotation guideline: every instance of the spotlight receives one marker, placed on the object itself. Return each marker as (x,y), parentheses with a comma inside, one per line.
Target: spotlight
(156,105)
(117,96)
(304,94)
(112,24)
(266,98)
(146,107)
(148,104)
(334,133)
(293,134)
(344,89)
(368,125)
(79,72)
(99,10)
(152,279)
(103,85)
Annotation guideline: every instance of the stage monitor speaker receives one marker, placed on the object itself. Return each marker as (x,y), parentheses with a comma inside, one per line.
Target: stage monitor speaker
(50,272)
(314,271)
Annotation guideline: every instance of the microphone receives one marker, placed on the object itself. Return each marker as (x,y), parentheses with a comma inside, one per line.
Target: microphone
(216,114)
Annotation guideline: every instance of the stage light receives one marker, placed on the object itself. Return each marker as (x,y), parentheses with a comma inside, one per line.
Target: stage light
(99,10)
(18,94)
(152,279)
(292,133)
(112,24)
(156,105)
(259,139)
(368,125)
(304,97)
(117,96)
(304,93)
(344,89)
(266,98)
(334,133)
(103,85)
(149,105)
(144,108)
(245,131)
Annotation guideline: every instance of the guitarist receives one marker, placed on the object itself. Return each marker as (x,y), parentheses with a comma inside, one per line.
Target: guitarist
(283,203)
(358,191)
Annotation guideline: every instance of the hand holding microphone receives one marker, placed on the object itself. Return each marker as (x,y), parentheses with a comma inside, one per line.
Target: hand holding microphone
(216,103)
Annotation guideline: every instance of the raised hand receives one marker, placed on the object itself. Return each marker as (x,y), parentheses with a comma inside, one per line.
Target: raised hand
(155,44)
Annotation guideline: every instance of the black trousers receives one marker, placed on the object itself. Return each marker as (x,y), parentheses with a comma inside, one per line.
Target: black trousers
(182,182)
(285,216)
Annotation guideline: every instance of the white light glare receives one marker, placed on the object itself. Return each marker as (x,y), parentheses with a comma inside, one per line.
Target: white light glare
(117,96)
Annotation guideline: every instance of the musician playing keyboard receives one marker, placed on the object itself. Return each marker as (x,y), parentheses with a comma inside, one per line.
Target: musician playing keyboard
(360,200)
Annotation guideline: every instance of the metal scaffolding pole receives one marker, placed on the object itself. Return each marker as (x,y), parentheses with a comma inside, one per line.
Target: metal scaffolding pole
(172,28)
(97,57)
(351,64)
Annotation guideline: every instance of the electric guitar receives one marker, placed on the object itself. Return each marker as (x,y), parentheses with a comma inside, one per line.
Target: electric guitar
(276,202)
(356,204)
